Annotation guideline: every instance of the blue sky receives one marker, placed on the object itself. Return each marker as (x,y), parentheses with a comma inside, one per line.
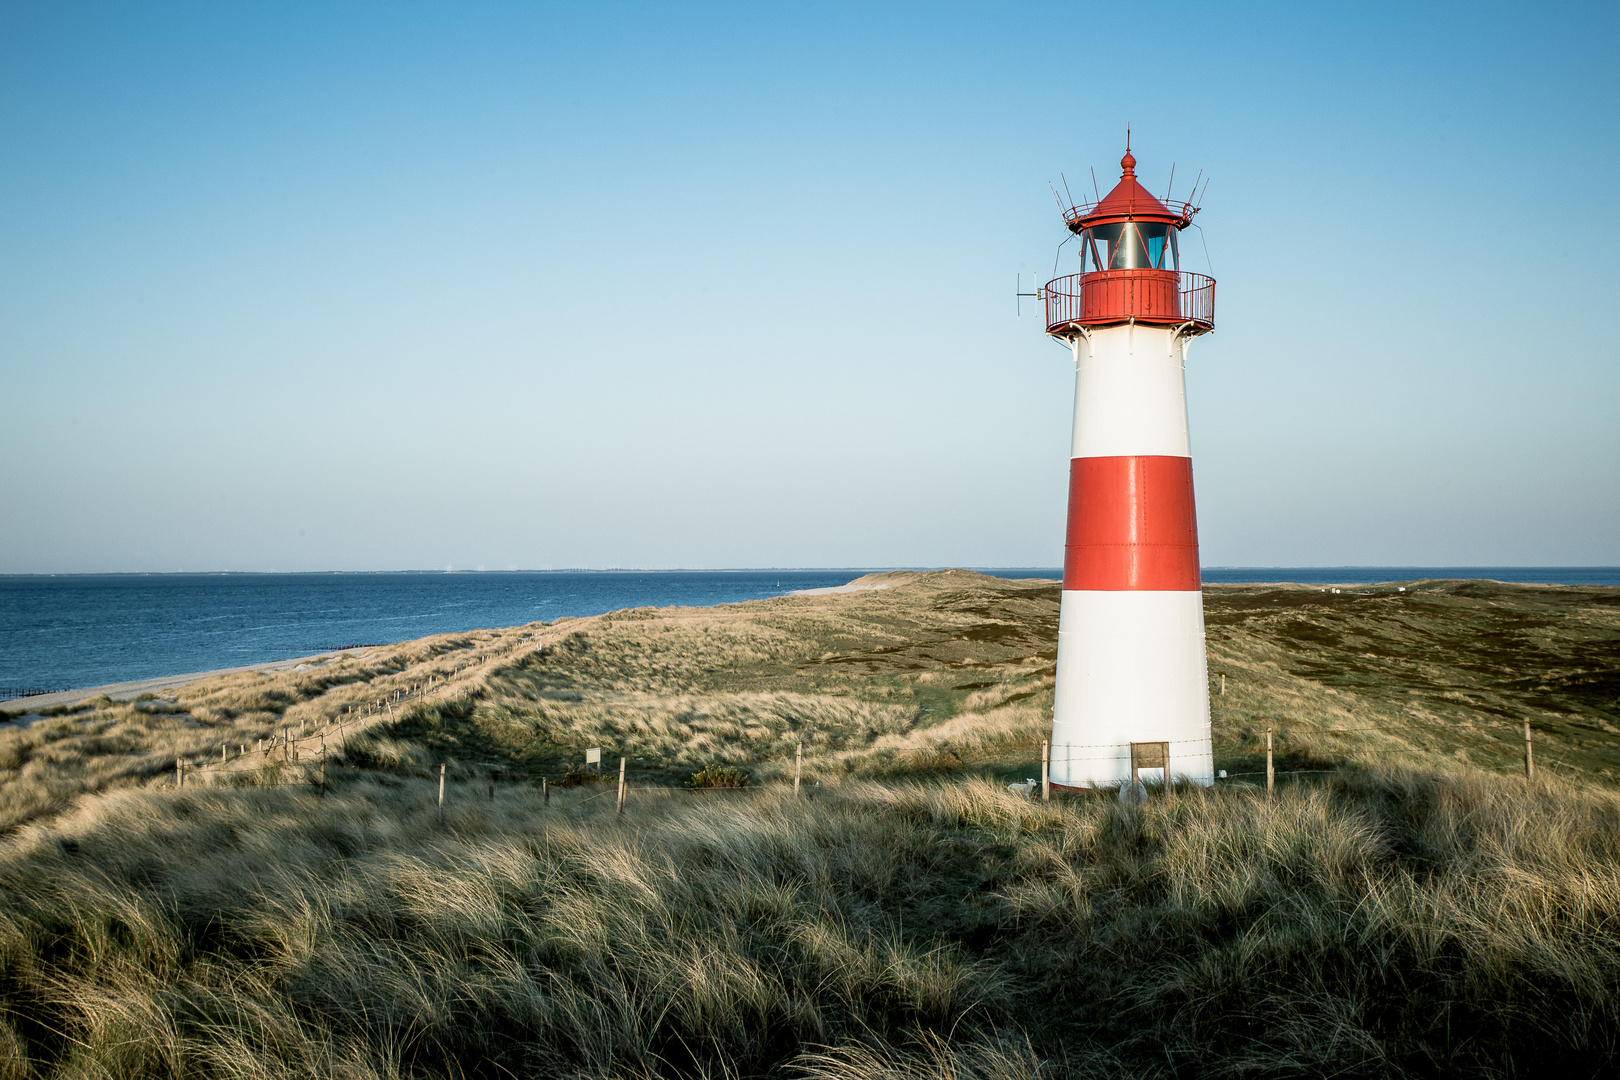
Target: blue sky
(347,286)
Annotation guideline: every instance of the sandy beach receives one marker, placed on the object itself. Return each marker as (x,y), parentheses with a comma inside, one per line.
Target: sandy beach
(128,691)
(851,587)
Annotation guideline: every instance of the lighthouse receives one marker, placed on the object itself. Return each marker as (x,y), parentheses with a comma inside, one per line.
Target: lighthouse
(1132,695)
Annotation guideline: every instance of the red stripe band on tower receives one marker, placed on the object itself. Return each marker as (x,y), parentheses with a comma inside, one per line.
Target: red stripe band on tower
(1131,525)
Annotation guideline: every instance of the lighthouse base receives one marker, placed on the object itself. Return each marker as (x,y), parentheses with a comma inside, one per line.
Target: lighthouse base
(1131,670)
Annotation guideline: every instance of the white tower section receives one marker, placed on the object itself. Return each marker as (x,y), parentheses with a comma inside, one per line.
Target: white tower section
(1131,661)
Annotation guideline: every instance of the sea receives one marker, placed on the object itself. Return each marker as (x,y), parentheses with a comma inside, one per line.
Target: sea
(69,631)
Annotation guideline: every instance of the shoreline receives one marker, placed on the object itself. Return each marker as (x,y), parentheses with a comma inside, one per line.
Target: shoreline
(14,708)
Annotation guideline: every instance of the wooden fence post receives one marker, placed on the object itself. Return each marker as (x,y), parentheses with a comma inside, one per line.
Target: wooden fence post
(798,765)
(545,792)
(1223,684)
(621,785)
(1529,757)
(1046,771)
(441,793)
(179,774)
(1271,775)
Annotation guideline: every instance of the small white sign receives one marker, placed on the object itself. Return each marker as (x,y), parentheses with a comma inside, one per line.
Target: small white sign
(593,756)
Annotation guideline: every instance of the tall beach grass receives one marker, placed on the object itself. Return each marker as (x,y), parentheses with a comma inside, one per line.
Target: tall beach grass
(1375,924)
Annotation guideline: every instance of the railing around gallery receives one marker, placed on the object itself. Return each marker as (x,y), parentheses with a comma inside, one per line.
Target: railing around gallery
(1164,297)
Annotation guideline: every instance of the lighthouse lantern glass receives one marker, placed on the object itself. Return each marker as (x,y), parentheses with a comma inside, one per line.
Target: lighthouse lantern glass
(1130,245)
(1155,250)
(1093,252)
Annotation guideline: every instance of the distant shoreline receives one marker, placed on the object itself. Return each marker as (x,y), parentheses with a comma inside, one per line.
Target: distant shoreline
(1518,574)
(1213,576)
(993,571)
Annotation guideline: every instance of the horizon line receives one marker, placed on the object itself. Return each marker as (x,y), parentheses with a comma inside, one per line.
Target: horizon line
(782,569)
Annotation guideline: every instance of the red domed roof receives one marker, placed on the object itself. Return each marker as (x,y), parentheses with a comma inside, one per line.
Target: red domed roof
(1129,199)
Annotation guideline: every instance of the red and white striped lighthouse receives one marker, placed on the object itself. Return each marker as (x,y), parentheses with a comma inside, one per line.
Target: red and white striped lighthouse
(1132,695)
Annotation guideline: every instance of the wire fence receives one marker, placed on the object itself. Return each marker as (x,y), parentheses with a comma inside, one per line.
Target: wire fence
(1103,765)
(308,746)
(288,749)
(1519,745)
(1061,763)
(12,693)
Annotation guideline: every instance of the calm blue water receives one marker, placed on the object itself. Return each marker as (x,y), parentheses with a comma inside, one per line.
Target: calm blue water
(87,630)
(68,631)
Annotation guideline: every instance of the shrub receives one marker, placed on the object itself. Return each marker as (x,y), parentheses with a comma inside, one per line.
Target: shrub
(718,776)
(578,775)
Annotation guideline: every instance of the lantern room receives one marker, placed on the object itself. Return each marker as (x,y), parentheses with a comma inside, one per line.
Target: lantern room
(1130,245)
(1130,265)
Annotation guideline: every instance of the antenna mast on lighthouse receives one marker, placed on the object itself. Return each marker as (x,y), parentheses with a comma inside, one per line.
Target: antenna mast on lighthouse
(1132,696)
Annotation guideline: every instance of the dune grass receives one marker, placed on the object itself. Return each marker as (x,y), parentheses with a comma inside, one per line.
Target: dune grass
(1446,671)
(221,726)
(939,667)
(1376,924)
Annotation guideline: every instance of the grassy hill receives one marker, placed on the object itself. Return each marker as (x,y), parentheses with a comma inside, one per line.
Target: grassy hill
(1446,671)
(1406,905)
(950,671)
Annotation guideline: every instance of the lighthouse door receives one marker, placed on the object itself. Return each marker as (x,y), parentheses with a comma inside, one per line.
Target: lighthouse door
(1150,755)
